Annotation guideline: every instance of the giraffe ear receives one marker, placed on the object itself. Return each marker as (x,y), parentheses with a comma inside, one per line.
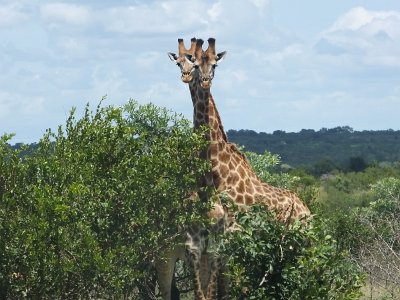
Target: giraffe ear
(172,56)
(220,56)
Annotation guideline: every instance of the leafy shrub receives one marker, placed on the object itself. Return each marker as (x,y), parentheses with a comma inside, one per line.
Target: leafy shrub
(371,235)
(266,166)
(379,253)
(269,260)
(83,215)
(387,195)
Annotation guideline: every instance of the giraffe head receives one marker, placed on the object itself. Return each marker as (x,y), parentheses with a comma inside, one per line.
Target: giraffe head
(206,61)
(187,67)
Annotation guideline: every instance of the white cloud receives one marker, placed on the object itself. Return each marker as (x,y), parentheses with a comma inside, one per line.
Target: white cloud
(34,105)
(372,38)
(366,24)
(232,19)
(260,4)
(215,11)
(146,61)
(5,104)
(29,106)
(353,19)
(65,13)
(288,52)
(173,96)
(157,17)
(76,47)
(369,22)
(11,14)
(240,75)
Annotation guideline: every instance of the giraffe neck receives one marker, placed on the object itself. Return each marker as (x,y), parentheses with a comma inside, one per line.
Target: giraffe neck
(205,113)
(231,172)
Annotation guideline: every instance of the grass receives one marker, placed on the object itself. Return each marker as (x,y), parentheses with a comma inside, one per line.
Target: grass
(380,291)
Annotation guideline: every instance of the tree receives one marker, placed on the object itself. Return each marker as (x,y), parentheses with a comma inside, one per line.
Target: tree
(84,214)
(324,166)
(357,164)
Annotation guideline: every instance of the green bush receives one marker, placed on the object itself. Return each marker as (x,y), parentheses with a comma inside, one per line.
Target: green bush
(361,226)
(267,259)
(85,212)
(266,166)
(371,235)
(387,198)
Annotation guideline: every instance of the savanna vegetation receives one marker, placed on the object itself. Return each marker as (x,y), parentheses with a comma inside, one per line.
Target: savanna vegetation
(326,149)
(359,200)
(84,213)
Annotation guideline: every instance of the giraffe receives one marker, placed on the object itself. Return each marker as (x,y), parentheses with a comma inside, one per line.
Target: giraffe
(231,172)
(165,265)
(194,251)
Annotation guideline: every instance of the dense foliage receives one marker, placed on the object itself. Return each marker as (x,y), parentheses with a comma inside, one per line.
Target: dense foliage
(86,211)
(341,191)
(362,209)
(338,147)
(270,260)
(371,235)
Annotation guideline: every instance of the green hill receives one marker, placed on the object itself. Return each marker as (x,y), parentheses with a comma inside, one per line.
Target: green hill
(337,145)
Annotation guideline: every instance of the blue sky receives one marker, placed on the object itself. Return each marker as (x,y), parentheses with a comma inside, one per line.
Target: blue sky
(290,64)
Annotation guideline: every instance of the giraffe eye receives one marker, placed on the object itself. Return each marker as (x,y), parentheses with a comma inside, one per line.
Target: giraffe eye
(196,66)
(214,66)
(178,64)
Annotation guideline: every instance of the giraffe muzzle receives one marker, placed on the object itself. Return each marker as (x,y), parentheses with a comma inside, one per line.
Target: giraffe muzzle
(205,83)
(187,77)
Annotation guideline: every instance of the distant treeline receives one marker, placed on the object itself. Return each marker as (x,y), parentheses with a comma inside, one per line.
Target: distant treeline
(308,147)
(333,148)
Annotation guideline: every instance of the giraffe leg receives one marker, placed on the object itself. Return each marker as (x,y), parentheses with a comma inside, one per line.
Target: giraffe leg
(165,267)
(165,273)
(214,277)
(194,262)
(218,282)
(196,245)
(205,271)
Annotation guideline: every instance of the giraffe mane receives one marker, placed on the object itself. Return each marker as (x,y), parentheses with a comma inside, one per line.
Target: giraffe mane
(235,148)
(221,128)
